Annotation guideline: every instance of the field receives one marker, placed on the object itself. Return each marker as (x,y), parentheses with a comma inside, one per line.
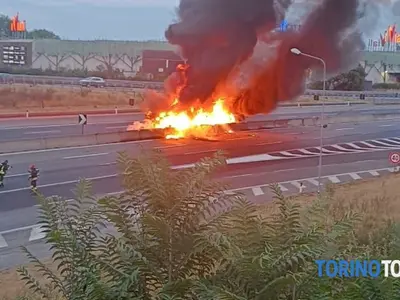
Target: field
(378,199)
(19,98)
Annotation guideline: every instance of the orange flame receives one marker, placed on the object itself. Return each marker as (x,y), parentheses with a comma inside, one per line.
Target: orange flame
(183,122)
(190,122)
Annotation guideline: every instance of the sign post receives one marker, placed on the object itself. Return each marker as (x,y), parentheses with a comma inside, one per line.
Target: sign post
(82,120)
(395,159)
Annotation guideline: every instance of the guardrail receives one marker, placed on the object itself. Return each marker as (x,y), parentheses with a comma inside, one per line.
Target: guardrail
(135,135)
(130,84)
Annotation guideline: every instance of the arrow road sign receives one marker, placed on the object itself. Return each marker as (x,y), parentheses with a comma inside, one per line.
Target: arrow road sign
(394,158)
(82,119)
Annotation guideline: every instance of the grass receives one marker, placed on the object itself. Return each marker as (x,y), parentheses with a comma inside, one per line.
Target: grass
(378,199)
(17,98)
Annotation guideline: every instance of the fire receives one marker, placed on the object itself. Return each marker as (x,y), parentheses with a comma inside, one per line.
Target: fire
(190,122)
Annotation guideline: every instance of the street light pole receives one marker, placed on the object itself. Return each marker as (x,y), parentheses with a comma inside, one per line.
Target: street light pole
(298,52)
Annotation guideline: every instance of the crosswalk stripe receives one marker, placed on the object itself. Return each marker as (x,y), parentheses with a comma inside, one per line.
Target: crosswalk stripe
(295,183)
(327,150)
(392,141)
(283,189)
(3,242)
(313,181)
(291,154)
(369,145)
(36,233)
(307,152)
(355,176)
(383,144)
(334,179)
(355,146)
(374,173)
(341,148)
(257,191)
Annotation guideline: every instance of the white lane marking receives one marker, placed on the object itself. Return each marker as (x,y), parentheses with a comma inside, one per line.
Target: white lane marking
(40,132)
(75,147)
(327,151)
(334,179)
(346,128)
(257,191)
(374,173)
(273,143)
(307,152)
(283,189)
(291,154)
(37,233)
(86,155)
(3,242)
(238,176)
(355,176)
(369,145)
(313,181)
(355,146)
(383,144)
(386,125)
(392,141)
(252,158)
(343,149)
(295,184)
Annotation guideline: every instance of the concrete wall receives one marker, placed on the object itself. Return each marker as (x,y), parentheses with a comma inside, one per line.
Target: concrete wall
(126,56)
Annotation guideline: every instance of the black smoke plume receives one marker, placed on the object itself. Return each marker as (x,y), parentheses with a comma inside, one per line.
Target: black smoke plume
(216,37)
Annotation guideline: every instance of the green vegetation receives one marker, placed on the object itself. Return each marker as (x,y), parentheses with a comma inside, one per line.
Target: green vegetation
(350,81)
(33,34)
(179,235)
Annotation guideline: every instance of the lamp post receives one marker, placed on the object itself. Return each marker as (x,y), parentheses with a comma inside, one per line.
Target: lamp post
(298,52)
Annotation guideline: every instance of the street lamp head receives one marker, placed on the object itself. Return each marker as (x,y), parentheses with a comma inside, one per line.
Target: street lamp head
(295,51)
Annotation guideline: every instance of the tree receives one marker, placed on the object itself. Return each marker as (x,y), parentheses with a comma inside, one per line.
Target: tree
(350,81)
(4,26)
(38,34)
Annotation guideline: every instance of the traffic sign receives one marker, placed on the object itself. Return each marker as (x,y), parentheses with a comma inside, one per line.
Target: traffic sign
(82,119)
(394,158)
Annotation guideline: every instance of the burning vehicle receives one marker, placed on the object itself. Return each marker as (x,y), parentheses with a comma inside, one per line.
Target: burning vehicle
(238,65)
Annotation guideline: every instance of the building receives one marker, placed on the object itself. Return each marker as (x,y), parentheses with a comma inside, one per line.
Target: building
(152,58)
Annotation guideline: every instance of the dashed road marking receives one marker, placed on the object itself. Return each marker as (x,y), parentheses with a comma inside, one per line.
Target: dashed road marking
(334,179)
(257,191)
(355,176)
(373,173)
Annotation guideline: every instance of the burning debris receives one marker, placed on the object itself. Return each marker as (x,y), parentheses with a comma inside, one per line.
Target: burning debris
(232,49)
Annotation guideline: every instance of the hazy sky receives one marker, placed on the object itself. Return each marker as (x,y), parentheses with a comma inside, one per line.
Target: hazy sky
(124,19)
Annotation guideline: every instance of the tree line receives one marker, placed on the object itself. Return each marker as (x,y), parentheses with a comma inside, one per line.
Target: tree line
(181,235)
(35,34)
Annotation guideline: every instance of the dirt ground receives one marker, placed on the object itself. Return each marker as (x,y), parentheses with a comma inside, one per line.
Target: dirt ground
(17,98)
(377,198)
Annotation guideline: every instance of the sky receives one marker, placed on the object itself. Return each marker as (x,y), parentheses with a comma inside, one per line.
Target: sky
(134,19)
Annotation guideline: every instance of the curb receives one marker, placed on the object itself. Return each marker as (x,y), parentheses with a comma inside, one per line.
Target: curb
(28,114)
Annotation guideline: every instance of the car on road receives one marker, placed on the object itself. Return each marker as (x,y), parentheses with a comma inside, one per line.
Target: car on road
(92,81)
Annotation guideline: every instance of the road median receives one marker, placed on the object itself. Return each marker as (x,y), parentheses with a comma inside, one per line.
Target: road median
(137,135)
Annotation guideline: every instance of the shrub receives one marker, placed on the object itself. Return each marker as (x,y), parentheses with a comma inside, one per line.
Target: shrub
(179,235)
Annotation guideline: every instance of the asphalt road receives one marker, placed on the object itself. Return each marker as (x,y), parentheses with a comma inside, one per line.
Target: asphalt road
(249,170)
(17,129)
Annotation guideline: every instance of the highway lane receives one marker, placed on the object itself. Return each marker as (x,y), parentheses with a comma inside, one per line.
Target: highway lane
(15,129)
(67,165)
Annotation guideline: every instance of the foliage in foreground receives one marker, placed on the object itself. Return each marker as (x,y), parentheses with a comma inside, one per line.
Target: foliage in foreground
(180,235)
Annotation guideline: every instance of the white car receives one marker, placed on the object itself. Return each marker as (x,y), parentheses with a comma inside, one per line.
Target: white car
(92,81)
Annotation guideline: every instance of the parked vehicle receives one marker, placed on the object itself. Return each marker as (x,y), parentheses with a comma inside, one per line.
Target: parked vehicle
(92,81)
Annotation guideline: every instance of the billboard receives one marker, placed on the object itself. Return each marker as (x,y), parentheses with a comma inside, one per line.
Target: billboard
(15,54)
(389,40)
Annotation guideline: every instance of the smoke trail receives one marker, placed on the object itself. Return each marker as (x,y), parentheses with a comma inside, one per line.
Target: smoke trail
(217,37)
(322,35)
